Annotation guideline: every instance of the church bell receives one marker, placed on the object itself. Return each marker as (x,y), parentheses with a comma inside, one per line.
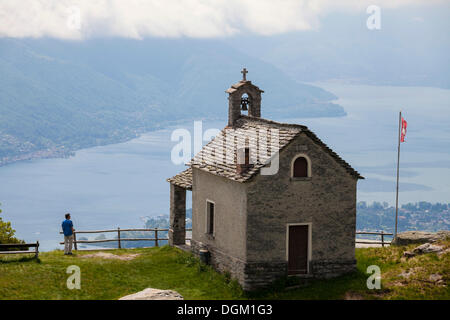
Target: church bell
(244,104)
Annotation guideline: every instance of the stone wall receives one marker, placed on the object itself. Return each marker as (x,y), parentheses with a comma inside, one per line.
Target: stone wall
(230,217)
(259,275)
(221,261)
(177,230)
(250,276)
(333,268)
(326,200)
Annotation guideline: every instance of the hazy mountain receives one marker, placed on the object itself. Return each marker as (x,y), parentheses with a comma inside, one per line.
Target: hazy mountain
(77,94)
(410,49)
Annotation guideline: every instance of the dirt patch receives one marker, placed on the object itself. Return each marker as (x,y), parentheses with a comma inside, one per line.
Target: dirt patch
(105,255)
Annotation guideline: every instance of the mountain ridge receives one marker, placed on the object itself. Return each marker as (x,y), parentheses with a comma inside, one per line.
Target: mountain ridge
(59,96)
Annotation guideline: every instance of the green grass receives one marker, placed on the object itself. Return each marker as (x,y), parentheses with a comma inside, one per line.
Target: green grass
(170,268)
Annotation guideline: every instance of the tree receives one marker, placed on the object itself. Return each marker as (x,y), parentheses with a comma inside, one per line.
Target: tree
(7,232)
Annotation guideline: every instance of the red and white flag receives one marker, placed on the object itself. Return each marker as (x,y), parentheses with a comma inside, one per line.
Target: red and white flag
(403,132)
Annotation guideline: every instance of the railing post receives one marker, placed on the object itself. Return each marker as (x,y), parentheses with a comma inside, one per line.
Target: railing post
(382,239)
(37,249)
(75,240)
(118,238)
(156,237)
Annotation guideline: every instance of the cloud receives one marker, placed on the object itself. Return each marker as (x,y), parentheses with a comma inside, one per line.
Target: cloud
(79,19)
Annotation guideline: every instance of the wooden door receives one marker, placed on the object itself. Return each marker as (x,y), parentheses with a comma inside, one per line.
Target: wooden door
(298,249)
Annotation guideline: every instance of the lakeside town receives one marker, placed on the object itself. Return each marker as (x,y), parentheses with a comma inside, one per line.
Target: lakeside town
(35,155)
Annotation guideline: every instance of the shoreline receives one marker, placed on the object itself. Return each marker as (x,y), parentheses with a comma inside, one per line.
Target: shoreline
(65,153)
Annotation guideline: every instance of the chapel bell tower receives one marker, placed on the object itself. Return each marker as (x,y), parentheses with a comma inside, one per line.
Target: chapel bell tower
(243,97)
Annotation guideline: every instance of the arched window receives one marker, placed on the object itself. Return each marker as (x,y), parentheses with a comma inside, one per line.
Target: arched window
(300,169)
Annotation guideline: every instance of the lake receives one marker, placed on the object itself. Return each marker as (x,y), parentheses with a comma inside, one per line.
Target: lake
(119,185)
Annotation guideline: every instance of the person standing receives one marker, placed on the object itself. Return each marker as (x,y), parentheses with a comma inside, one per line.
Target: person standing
(68,230)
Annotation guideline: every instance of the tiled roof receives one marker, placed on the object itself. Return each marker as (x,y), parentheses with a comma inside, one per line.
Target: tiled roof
(229,140)
(236,86)
(183,179)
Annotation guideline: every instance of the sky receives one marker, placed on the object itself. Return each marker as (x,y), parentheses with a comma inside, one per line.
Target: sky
(138,19)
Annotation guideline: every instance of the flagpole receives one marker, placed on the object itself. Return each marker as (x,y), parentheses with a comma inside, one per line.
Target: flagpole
(398,168)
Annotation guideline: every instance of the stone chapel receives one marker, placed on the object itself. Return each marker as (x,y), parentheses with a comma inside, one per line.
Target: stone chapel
(269,199)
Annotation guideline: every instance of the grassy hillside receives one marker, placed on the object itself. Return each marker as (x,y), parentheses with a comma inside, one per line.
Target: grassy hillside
(170,268)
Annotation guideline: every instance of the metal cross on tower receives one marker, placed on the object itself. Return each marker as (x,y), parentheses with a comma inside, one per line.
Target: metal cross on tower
(244,74)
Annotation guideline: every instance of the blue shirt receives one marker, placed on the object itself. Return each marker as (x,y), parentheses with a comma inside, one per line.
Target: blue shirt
(67,227)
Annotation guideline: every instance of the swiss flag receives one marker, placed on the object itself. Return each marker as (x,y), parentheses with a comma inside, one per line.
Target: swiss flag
(403,132)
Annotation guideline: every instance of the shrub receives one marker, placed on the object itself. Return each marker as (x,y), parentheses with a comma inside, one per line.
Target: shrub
(7,233)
